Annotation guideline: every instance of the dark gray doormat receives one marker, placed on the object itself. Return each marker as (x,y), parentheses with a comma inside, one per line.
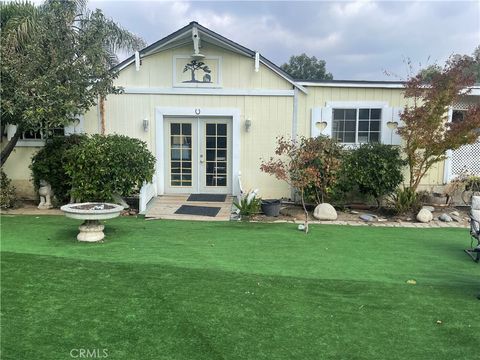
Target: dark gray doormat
(207,197)
(198,210)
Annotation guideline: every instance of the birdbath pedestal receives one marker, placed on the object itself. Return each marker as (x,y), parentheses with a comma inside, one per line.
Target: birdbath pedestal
(91,229)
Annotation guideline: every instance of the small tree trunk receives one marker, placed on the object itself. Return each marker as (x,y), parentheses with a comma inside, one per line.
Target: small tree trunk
(10,146)
(305,224)
(102,115)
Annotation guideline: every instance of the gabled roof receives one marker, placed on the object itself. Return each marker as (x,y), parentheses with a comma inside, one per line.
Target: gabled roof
(183,35)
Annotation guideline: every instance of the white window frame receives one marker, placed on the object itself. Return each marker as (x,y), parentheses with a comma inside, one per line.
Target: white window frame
(68,130)
(357,105)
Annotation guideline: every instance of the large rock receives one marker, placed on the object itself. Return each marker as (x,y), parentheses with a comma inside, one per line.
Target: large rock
(325,211)
(368,217)
(424,216)
(445,218)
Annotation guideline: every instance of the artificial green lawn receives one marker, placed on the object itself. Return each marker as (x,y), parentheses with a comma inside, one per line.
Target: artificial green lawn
(214,290)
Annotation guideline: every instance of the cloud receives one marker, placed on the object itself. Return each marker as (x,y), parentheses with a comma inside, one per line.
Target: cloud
(358,39)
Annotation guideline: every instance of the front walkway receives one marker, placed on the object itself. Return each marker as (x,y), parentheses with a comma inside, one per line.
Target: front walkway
(165,206)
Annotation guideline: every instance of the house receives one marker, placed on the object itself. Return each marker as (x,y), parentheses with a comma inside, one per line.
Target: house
(210,109)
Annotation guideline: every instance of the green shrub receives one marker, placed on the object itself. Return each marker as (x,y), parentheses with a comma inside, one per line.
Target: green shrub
(101,166)
(374,169)
(8,197)
(248,207)
(48,165)
(405,200)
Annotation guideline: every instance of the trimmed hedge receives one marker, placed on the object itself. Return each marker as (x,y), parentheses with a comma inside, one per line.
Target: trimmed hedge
(101,166)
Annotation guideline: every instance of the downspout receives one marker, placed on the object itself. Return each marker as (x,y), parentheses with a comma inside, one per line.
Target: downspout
(295,114)
(294,126)
(102,115)
(99,117)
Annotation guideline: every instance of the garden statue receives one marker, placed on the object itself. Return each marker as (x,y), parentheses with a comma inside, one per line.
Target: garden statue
(45,192)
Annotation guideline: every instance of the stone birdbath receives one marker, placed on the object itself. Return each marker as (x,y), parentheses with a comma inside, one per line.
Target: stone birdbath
(91,230)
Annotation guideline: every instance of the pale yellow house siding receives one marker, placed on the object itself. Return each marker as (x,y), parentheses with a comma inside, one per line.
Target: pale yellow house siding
(17,169)
(237,71)
(318,96)
(271,115)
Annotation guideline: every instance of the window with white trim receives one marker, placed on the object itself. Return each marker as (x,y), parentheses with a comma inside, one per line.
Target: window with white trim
(41,134)
(458,115)
(358,125)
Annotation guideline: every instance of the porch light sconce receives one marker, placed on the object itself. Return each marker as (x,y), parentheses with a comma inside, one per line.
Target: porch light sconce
(248,125)
(145,124)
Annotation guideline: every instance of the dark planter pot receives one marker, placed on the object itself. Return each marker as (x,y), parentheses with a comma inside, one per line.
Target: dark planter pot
(133,202)
(271,207)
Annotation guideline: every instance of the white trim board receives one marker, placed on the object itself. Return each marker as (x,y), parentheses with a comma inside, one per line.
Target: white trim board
(162,112)
(356,104)
(353,85)
(207,91)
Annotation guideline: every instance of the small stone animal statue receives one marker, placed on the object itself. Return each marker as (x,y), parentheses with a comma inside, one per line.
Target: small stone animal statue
(45,192)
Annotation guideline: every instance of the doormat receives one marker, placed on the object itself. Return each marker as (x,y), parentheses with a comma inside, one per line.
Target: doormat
(207,197)
(198,210)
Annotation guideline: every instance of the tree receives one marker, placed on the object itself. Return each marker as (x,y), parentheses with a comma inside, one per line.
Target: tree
(56,61)
(427,134)
(195,65)
(296,166)
(474,67)
(303,67)
(328,158)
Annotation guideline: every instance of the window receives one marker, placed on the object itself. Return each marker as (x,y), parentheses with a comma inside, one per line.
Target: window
(180,154)
(458,115)
(356,125)
(42,134)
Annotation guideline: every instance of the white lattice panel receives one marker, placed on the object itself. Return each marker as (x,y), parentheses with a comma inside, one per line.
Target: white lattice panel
(467,157)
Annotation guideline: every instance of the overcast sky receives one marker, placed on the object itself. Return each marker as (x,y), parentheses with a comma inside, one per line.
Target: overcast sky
(358,40)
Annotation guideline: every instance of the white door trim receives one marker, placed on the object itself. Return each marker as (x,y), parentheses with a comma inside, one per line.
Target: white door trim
(162,112)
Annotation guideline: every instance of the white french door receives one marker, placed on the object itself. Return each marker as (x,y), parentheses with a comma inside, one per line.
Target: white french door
(198,154)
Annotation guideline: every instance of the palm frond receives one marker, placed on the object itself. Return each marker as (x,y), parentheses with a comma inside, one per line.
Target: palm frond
(18,22)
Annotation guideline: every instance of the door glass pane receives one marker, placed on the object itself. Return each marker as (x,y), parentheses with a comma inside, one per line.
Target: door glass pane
(221,142)
(211,129)
(186,129)
(210,155)
(222,181)
(210,142)
(180,154)
(222,129)
(221,155)
(216,164)
(174,129)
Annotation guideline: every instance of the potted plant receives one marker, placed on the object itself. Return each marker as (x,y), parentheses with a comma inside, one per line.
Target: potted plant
(271,207)
(248,206)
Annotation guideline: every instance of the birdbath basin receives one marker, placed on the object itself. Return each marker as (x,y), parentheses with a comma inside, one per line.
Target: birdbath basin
(91,230)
